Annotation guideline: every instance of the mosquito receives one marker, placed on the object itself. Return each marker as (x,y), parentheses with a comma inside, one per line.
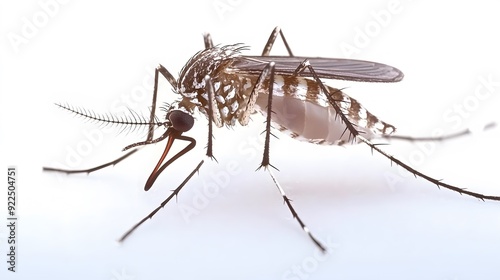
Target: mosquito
(227,87)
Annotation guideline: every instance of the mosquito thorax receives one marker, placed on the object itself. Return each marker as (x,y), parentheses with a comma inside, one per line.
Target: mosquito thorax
(180,120)
(207,62)
(213,62)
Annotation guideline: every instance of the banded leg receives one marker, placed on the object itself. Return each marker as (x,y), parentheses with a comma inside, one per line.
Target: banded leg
(356,135)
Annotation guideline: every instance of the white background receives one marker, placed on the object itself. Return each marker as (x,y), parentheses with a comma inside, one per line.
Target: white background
(95,55)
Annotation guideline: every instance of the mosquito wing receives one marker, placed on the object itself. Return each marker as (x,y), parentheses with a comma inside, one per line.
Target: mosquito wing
(328,68)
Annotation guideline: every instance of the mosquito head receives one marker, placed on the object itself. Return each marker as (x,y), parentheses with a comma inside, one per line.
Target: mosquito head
(180,120)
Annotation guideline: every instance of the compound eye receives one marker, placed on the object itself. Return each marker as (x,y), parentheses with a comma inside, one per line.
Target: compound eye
(181,121)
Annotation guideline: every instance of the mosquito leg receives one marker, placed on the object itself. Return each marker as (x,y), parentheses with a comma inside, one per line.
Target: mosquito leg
(174,194)
(153,107)
(356,134)
(265,85)
(464,132)
(213,114)
(272,39)
(207,39)
(114,162)
(265,159)
(172,81)
(294,213)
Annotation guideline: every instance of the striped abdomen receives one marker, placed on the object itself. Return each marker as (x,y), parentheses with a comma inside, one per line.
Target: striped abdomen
(305,113)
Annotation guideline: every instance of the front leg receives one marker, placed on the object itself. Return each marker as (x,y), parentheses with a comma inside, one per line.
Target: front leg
(213,114)
(164,72)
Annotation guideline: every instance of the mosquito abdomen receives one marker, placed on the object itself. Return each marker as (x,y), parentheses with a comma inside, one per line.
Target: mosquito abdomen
(303,114)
